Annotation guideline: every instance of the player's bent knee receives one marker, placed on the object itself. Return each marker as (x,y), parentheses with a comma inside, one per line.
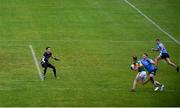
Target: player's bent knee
(151,75)
(54,68)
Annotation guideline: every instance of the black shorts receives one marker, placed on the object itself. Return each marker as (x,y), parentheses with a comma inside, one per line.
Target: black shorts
(165,55)
(47,64)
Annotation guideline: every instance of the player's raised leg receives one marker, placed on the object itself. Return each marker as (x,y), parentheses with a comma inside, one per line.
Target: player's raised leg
(172,64)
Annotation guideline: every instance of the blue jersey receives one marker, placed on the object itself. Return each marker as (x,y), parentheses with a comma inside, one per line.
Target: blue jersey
(161,48)
(148,65)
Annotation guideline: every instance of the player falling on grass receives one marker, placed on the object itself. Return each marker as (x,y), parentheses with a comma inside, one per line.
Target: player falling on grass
(149,66)
(141,75)
(163,54)
(45,63)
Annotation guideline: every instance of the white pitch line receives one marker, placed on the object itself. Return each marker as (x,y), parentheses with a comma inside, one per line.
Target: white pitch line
(35,61)
(150,20)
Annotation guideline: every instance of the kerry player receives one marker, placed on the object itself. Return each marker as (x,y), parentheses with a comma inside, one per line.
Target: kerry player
(141,75)
(163,54)
(45,63)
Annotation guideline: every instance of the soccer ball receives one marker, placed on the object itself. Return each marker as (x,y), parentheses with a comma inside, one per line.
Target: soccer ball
(134,67)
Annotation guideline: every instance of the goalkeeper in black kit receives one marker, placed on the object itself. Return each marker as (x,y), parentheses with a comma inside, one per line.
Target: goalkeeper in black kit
(45,63)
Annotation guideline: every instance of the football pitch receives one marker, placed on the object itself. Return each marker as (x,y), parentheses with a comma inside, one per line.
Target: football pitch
(95,41)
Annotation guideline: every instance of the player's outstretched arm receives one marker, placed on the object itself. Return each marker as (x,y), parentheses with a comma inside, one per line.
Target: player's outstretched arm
(153,62)
(154,49)
(55,58)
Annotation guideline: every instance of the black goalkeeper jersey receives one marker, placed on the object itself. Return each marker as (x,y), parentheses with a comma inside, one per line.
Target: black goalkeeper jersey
(46,56)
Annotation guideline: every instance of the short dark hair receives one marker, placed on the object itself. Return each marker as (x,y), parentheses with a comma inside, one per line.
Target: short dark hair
(47,48)
(157,39)
(146,54)
(135,58)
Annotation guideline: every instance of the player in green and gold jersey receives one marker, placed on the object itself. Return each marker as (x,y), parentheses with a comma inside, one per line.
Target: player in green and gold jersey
(141,75)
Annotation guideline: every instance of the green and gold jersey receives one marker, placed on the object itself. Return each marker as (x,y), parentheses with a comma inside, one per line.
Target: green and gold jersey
(140,66)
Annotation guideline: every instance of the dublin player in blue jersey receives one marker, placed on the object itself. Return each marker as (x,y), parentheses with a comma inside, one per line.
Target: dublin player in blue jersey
(149,66)
(45,61)
(163,54)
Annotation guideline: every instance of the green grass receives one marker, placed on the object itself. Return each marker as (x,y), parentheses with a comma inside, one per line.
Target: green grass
(95,40)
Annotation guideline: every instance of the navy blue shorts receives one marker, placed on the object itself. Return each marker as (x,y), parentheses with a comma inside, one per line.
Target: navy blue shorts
(153,71)
(165,55)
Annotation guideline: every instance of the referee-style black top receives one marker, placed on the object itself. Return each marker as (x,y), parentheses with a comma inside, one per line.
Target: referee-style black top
(47,55)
